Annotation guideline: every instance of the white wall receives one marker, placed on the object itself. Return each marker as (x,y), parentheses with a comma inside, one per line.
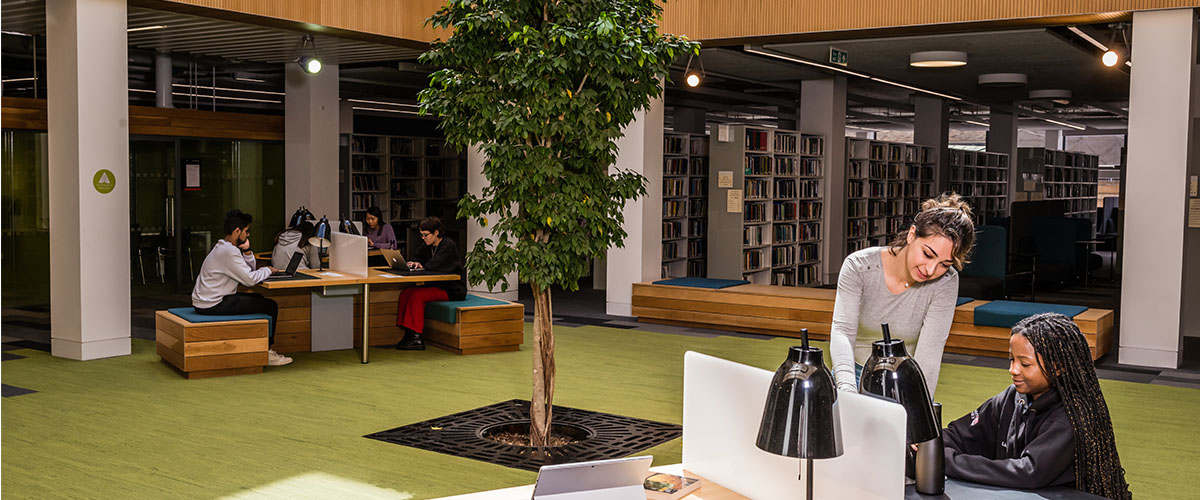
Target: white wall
(310,137)
(641,150)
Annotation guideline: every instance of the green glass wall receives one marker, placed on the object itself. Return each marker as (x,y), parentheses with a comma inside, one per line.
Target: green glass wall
(25,224)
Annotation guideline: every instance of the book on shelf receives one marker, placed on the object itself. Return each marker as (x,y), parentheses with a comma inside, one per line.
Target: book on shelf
(662,486)
(756,140)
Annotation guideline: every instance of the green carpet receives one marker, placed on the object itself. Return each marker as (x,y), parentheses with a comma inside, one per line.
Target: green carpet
(130,427)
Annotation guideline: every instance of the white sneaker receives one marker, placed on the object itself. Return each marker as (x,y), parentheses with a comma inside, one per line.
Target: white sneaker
(276,359)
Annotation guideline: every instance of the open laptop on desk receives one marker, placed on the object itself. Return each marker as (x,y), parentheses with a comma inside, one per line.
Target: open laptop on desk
(290,272)
(617,479)
(397,264)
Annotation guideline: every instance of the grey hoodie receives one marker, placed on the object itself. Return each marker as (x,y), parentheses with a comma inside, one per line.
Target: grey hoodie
(289,243)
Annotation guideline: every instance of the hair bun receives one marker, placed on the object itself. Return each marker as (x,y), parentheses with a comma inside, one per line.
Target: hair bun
(948,201)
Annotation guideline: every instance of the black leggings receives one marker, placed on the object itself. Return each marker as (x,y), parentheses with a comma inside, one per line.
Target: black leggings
(246,303)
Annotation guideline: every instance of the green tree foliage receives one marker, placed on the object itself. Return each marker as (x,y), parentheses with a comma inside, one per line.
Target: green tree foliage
(543,89)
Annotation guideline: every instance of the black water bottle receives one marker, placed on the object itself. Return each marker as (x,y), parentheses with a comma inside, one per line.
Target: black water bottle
(930,463)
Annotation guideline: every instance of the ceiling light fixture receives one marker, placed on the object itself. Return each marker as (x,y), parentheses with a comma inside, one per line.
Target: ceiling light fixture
(758,50)
(1065,124)
(10,80)
(145,28)
(1115,54)
(364,108)
(1003,79)
(937,59)
(1087,37)
(309,63)
(365,101)
(691,77)
(973,122)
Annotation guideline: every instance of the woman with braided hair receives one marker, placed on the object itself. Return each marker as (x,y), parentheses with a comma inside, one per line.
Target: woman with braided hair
(1050,427)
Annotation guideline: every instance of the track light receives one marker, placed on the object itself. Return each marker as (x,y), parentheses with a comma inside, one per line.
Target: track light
(309,63)
(693,77)
(1115,54)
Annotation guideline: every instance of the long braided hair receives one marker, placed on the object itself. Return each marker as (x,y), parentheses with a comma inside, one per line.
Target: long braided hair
(1064,358)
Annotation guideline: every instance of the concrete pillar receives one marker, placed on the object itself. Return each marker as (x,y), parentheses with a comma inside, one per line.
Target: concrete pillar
(1054,139)
(163,73)
(932,128)
(88,118)
(1161,111)
(640,150)
(310,137)
(823,111)
(475,184)
(1002,138)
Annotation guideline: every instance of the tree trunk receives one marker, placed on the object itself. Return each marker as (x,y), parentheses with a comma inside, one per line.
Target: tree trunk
(543,369)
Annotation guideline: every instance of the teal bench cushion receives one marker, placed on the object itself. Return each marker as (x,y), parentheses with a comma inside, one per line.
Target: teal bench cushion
(702,282)
(445,310)
(189,314)
(963,300)
(1006,313)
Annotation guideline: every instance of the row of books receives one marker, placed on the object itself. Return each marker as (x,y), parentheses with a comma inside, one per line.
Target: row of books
(672,230)
(675,166)
(698,166)
(673,188)
(756,140)
(406,188)
(406,167)
(670,250)
(783,256)
(784,211)
(757,165)
(698,186)
(752,260)
(363,201)
(365,182)
(366,164)
(697,248)
(698,208)
(697,227)
(407,210)
(757,189)
(674,208)
(675,145)
(754,212)
(753,236)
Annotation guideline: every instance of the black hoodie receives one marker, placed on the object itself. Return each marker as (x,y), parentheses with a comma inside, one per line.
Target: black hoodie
(1013,441)
(444,259)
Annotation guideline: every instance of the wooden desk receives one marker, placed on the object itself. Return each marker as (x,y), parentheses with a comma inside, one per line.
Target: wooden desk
(325,279)
(708,490)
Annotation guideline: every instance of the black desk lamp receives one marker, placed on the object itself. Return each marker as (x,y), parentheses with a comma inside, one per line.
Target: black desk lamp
(302,214)
(890,372)
(801,417)
(347,226)
(320,237)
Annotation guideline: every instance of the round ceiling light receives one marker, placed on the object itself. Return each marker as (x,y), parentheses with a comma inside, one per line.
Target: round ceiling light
(1060,96)
(1003,79)
(937,59)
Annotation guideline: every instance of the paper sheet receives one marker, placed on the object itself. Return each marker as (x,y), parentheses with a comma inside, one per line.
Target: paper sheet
(725,178)
(1194,213)
(733,201)
(331,274)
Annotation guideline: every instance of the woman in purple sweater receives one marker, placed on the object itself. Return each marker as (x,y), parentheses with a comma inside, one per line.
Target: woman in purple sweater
(379,233)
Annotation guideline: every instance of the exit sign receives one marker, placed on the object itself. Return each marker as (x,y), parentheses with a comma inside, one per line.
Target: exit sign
(838,56)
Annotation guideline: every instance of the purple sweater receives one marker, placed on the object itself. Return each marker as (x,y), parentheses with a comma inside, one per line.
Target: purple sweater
(385,238)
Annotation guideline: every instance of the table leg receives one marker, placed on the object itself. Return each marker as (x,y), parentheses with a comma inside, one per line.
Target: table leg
(366,321)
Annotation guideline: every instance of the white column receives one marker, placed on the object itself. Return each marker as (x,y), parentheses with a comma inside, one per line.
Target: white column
(1054,139)
(475,184)
(1156,187)
(88,115)
(932,128)
(640,150)
(823,111)
(310,137)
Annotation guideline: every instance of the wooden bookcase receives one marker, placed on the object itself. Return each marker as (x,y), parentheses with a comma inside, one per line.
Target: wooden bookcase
(1060,175)
(409,178)
(780,175)
(981,178)
(885,184)
(685,205)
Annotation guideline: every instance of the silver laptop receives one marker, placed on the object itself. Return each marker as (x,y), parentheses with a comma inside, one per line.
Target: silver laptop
(617,479)
(395,259)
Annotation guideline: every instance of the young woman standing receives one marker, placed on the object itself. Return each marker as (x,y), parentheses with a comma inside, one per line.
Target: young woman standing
(911,284)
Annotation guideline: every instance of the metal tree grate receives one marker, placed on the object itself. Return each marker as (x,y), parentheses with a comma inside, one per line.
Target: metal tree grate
(460,435)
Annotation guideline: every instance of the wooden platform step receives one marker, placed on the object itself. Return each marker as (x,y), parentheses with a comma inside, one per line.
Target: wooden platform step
(215,349)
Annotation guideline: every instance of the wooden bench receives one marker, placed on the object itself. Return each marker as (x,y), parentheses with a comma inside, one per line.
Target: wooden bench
(211,349)
(477,325)
(783,311)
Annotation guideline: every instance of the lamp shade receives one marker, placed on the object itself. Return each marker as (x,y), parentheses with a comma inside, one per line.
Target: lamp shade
(347,226)
(801,415)
(302,214)
(321,233)
(890,372)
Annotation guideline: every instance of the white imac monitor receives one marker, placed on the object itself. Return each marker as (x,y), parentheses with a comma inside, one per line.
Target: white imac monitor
(617,479)
(722,408)
(348,254)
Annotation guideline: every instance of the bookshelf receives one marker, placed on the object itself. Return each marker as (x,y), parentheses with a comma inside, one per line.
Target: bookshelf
(780,174)
(981,178)
(409,178)
(885,183)
(1060,175)
(685,205)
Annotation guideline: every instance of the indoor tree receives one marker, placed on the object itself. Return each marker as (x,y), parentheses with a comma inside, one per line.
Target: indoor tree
(543,89)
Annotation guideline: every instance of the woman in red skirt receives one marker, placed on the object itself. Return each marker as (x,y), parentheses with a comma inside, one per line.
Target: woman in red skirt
(439,254)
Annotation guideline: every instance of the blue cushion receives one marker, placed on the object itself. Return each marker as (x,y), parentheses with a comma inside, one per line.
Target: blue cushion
(701,282)
(963,300)
(445,310)
(1006,313)
(189,314)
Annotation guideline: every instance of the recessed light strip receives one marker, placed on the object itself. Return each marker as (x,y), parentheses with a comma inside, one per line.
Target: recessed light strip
(404,111)
(19,80)
(973,122)
(384,103)
(756,50)
(145,28)
(248,91)
(1085,36)
(207,96)
(1065,124)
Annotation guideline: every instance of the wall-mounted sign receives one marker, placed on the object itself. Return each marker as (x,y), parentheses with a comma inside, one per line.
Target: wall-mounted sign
(191,175)
(839,57)
(733,201)
(724,178)
(104,181)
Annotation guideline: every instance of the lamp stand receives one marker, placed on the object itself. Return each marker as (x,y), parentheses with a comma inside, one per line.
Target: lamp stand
(320,258)
(808,485)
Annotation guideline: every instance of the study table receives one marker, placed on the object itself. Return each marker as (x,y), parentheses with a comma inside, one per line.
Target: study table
(333,277)
(955,490)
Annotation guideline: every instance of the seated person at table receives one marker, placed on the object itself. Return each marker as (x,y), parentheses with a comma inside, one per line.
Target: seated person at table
(292,240)
(379,233)
(229,264)
(1050,428)
(439,254)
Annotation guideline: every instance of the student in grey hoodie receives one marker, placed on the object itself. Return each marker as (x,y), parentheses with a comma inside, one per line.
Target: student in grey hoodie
(292,240)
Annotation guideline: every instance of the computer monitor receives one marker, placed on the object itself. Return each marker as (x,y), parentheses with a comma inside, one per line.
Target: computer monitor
(617,479)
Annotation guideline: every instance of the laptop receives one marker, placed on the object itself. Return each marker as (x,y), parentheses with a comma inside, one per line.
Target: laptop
(395,259)
(617,479)
(290,272)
